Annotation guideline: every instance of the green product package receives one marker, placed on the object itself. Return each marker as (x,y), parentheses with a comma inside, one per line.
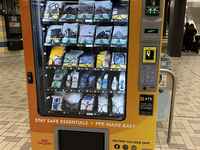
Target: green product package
(57,79)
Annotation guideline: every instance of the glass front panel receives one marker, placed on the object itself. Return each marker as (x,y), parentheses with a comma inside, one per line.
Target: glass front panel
(81,50)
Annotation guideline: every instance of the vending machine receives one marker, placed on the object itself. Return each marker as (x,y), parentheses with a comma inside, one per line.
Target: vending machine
(92,71)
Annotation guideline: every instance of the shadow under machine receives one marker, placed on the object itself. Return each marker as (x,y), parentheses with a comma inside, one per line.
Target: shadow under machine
(92,78)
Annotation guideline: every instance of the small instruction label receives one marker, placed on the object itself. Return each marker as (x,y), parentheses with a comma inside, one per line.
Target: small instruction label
(146,105)
(163,82)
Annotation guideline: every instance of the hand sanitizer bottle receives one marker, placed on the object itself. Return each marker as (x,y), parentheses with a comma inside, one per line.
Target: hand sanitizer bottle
(122,81)
(114,84)
(105,82)
(68,82)
(99,83)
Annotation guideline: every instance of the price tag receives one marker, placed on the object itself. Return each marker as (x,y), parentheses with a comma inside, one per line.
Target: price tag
(88,45)
(88,20)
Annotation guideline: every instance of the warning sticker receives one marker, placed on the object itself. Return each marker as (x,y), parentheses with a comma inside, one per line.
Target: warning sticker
(163,82)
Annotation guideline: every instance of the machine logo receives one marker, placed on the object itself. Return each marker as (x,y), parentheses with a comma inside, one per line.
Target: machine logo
(44,142)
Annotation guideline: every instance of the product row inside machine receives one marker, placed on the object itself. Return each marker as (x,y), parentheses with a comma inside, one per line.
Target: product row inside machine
(81,104)
(114,58)
(86,80)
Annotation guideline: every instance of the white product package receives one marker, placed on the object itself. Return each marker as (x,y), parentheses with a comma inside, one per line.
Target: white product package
(118,102)
(103,103)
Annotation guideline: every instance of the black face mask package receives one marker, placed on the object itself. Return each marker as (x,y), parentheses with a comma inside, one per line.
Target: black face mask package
(119,38)
(86,36)
(103,35)
(69,12)
(54,34)
(69,33)
(85,10)
(53,9)
(103,10)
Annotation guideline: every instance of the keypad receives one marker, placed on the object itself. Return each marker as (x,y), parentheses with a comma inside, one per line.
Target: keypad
(148,75)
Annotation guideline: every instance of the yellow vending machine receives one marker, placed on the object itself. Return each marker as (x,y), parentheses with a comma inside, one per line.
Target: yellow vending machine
(92,73)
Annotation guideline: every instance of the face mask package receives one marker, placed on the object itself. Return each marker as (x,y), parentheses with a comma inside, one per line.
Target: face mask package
(103,60)
(119,38)
(71,58)
(69,12)
(86,36)
(53,9)
(118,60)
(103,104)
(83,80)
(55,57)
(57,103)
(120,14)
(102,10)
(118,102)
(85,11)
(75,78)
(69,32)
(72,100)
(57,79)
(54,34)
(87,102)
(87,60)
(103,35)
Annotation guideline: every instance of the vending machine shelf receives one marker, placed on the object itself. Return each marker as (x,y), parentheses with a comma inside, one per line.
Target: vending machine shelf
(86,91)
(86,68)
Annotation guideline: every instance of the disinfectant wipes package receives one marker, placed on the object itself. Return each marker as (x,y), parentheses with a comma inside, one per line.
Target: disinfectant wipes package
(103,35)
(53,9)
(69,32)
(86,35)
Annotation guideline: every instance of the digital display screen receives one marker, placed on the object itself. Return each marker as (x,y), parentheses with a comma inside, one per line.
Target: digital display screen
(151,30)
(152,2)
(149,55)
(79,140)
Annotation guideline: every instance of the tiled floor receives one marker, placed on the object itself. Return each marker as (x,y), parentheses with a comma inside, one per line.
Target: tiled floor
(14,126)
